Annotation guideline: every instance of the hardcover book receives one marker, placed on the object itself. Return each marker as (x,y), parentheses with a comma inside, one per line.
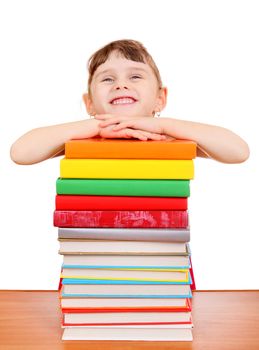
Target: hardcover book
(127,261)
(137,304)
(173,275)
(79,246)
(72,202)
(128,234)
(122,218)
(124,289)
(124,187)
(137,333)
(123,148)
(126,169)
(80,317)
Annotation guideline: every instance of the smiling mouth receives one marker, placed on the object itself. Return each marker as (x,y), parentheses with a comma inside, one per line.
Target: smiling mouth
(123,101)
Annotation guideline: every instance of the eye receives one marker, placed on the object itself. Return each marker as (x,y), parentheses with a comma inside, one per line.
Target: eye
(109,80)
(134,77)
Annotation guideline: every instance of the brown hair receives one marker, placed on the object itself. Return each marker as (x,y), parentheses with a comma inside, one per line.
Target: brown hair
(130,49)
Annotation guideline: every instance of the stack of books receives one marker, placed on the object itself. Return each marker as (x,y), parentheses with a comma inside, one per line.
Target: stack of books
(123,228)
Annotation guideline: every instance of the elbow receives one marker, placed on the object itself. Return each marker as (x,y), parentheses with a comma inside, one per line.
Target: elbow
(241,155)
(18,156)
(14,154)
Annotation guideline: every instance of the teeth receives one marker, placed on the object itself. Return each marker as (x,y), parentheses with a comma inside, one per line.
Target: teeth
(121,101)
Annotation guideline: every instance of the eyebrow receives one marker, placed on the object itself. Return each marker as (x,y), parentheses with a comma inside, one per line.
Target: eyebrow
(111,70)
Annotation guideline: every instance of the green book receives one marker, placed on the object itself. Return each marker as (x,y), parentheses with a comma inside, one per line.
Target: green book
(124,187)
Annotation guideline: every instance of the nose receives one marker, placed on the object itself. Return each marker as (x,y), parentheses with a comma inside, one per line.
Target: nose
(121,85)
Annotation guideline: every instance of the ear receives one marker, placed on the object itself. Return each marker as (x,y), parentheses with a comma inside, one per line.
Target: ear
(162,99)
(88,104)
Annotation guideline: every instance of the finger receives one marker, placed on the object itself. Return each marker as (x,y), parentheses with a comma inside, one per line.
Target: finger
(110,126)
(153,136)
(123,125)
(139,135)
(103,116)
(158,137)
(135,133)
(107,122)
(114,120)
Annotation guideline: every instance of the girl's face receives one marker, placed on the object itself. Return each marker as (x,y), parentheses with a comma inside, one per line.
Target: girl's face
(125,88)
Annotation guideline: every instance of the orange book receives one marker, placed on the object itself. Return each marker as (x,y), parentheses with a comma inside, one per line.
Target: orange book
(130,149)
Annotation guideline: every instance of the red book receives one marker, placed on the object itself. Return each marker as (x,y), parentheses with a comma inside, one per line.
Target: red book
(126,218)
(65,324)
(126,316)
(193,285)
(73,202)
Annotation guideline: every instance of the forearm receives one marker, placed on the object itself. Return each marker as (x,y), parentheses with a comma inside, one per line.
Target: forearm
(216,142)
(45,142)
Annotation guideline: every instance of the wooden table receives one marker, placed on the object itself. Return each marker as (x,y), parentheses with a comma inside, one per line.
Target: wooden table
(30,320)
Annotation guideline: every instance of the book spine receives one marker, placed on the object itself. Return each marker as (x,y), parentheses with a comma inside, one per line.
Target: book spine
(151,235)
(126,169)
(162,219)
(71,202)
(131,149)
(125,309)
(134,282)
(124,187)
(133,296)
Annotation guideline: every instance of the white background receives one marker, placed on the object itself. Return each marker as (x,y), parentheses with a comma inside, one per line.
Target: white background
(207,53)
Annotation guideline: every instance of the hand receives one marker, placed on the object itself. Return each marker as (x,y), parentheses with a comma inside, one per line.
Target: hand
(147,124)
(108,132)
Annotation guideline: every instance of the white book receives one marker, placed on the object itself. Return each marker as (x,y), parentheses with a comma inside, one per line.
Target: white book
(126,317)
(127,260)
(137,290)
(126,274)
(120,247)
(136,333)
(128,234)
(121,302)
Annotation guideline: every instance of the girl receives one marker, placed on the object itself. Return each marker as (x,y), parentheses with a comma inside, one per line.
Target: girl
(125,94)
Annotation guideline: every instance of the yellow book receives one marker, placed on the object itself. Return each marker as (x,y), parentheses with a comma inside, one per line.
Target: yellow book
(126,169)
